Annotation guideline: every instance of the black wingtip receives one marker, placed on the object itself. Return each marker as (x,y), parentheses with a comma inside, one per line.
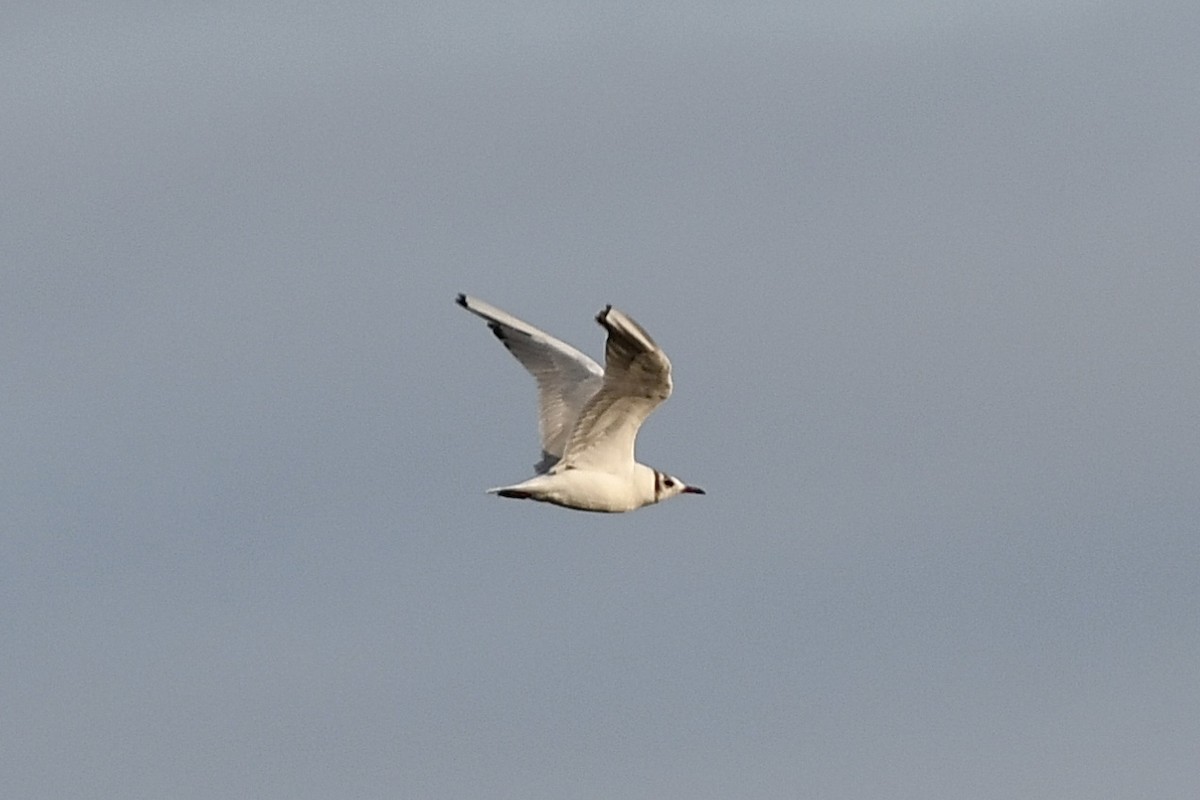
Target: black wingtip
(461,300)
(603,315)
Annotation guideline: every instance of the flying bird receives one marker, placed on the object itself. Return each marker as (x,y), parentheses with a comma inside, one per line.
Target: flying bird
(589,417)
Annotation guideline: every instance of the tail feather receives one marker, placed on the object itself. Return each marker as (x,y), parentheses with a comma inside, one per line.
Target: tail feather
(531,489)
(511,491)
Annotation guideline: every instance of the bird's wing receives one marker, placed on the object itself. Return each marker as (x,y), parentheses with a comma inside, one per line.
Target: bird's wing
(637,378)
(566,378)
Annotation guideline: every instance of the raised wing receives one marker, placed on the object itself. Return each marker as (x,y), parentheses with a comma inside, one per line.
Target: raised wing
(566,378)
(637,378)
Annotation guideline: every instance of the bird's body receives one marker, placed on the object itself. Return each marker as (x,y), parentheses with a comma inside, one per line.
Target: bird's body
(588,489)
(589,417)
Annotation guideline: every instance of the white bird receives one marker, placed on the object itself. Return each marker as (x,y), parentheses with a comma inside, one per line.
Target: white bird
(589,417)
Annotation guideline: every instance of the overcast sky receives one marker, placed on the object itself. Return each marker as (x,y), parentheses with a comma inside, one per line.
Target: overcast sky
(928,274)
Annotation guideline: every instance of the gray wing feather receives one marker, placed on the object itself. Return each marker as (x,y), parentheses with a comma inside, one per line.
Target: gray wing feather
(637,379)
(566,378)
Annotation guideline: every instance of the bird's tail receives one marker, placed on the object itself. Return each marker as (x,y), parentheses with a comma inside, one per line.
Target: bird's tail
(511,491)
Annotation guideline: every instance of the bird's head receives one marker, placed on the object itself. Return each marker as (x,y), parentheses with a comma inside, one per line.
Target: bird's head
(668,486)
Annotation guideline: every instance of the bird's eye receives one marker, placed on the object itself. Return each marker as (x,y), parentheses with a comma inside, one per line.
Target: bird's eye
(668,482)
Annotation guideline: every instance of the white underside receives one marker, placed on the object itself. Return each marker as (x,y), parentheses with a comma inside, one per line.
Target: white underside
(590,490)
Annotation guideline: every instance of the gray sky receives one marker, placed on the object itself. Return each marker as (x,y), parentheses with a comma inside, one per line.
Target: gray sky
(928,276)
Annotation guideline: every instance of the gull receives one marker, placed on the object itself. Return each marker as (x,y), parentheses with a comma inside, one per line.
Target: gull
(589,417)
